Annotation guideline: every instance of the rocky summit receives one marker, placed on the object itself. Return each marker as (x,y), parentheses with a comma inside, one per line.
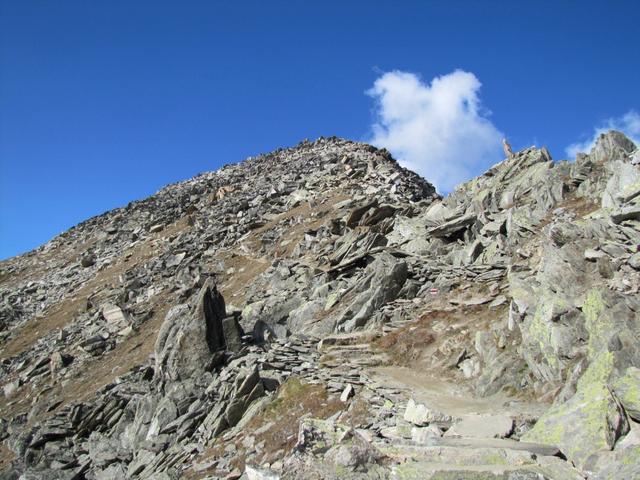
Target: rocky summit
(319,312)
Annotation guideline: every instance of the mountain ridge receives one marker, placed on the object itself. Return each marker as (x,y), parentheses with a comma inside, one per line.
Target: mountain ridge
(169,334)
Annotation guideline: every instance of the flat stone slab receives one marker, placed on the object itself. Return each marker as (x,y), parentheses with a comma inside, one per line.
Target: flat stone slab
(436,471)
(471,444)
(421,415)
(114,315)
(396,433)
(453,225)
(460,456)
(537,448)
(482,426)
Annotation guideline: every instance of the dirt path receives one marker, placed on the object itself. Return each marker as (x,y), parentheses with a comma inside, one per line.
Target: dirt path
(448,397)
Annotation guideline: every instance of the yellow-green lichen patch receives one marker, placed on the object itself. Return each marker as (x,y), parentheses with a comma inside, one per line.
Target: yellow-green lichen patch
(627,388)
(547,430)
(540,328)
(586,423)
(594,380)
(435,471)
(623,463)
(629,189)
(631,456)
(408,471)
(495,459)
(595,322)
(341,471)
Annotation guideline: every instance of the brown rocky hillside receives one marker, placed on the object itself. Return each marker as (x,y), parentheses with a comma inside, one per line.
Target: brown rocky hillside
(320,312)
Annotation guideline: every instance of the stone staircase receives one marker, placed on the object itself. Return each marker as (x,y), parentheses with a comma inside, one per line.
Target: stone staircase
(413,449)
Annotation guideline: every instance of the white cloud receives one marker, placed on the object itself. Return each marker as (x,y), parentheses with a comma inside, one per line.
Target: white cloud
(629,124)
(438,130)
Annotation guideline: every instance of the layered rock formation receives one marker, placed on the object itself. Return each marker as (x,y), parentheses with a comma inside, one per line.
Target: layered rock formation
(320,312)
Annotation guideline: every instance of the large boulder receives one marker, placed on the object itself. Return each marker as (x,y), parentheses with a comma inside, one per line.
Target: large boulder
(190,335)
(601,174)
(269,315)
(588,423)
(611,145)
(409,234)
(627,389)
(622,185)
(234,399)
(546,310)
(421,415)
(622,462)
(479,426)
(383,280)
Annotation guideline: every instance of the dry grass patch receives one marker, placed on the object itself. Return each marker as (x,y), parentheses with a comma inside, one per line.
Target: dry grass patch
(246,270)
(436,338)
(6,456)
(405,345)
(62,313)
(274,431)
(94,374)
(294,233)
(359,414)
(295,399)
(580,206)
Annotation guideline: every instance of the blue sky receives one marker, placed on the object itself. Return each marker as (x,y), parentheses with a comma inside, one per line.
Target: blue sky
(102,103)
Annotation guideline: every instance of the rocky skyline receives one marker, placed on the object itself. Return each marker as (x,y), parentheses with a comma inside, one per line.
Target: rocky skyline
(321,312)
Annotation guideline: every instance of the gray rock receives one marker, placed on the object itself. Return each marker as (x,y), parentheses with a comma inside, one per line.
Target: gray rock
(593,415)
(254,473)
(141,459)
(232,332)
(165,413)
(490,426)
(619,463)
(423,435)
(409,235)
(421,415)
(104,451)
(115,316)
(628,212)
(88,260)
(234,411)
(611,145)
(347,393)
(10,388)
(593,255)
(453,225)
(383,280)
(634,261)
(189,336)
(627,390)
(112,472)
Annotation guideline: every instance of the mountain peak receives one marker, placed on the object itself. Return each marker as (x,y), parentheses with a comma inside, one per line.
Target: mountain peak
(318,308)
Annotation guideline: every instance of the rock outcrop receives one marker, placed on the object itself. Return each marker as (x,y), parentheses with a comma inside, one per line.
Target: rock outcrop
(189,337)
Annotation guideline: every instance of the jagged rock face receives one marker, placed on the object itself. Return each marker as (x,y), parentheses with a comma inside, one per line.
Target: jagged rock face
(189,337)
(383,280)
(199,331)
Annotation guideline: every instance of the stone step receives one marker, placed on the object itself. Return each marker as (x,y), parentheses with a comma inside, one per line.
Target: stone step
(347,339)
(442,471)
(365,361)
(459,456)
(494,444)
(356,347)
